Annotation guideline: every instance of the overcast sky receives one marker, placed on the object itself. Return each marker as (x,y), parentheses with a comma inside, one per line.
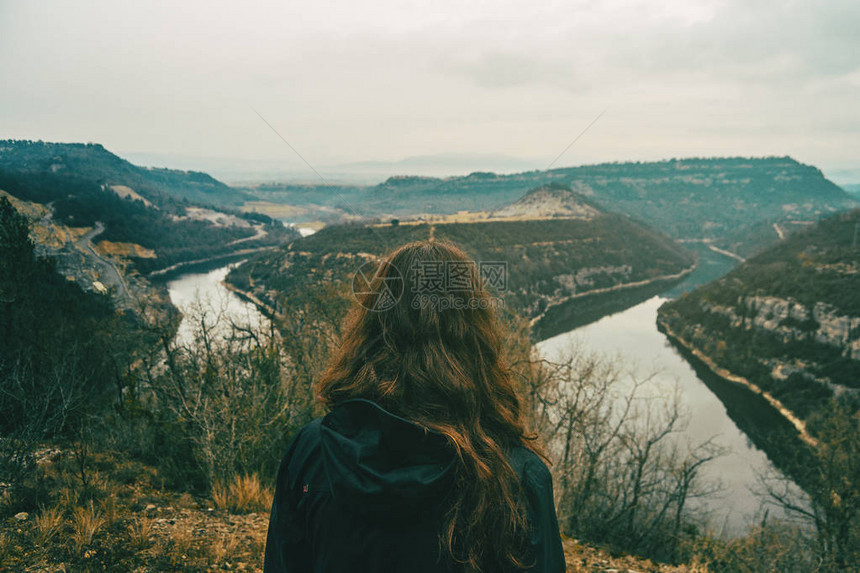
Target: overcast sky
(347,81)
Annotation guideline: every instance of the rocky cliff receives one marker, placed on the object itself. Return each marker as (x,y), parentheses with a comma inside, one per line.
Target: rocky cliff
(788,319)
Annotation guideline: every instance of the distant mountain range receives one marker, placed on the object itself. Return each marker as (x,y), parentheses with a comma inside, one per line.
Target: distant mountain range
(738,204)
(291,168)
(853,190)
(440,164)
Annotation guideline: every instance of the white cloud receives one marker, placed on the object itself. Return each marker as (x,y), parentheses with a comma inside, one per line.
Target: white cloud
(351,81)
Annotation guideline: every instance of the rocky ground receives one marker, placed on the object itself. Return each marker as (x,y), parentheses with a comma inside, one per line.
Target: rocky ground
(183,539)
(116,515)
(583,558)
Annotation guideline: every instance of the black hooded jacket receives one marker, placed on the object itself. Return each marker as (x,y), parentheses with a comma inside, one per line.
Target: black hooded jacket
(363,490)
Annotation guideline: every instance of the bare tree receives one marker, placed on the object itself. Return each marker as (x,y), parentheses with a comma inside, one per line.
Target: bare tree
(623,473)
(829,474)
(233,392)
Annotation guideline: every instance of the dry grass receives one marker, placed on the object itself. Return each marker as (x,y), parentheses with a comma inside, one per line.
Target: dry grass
(584,558)
(114,249)
(245,494)
(104,524)
(109,509)
(179,547)
(129,193)
(47,524)
(104,482)
(221,496)
(258,541)
(68,498)
(182,539)
(85,524)
(4,547)
(140,533)
(222,549)
(276,210)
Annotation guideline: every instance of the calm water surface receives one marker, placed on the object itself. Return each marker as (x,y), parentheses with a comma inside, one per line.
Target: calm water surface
(205,292)
(633,335)
(194,293)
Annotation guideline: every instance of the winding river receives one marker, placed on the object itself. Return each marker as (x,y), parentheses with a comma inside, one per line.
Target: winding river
(202,297)
(631,333)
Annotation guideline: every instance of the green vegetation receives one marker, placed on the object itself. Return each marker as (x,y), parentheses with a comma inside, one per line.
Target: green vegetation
(76,181)
(781,306)
(92,162)
(546,260)
(58,360)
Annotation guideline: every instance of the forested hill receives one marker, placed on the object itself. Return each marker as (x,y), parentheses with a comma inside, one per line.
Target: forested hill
(548,260)
(92,162)
(99,217)
(740,204)
(788,319)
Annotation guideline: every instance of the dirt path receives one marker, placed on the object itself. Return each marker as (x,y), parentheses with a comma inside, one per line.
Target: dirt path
(727,253)
(85,243)
(778,231)
(260,234)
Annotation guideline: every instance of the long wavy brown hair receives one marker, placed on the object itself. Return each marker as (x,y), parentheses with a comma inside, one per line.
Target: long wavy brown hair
(439,363)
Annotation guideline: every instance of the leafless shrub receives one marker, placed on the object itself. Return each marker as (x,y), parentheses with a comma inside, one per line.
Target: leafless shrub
(232,395)
(771,546)
(623,475)
(829,472)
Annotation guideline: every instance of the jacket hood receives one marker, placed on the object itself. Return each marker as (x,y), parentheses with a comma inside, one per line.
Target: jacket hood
(375,460)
